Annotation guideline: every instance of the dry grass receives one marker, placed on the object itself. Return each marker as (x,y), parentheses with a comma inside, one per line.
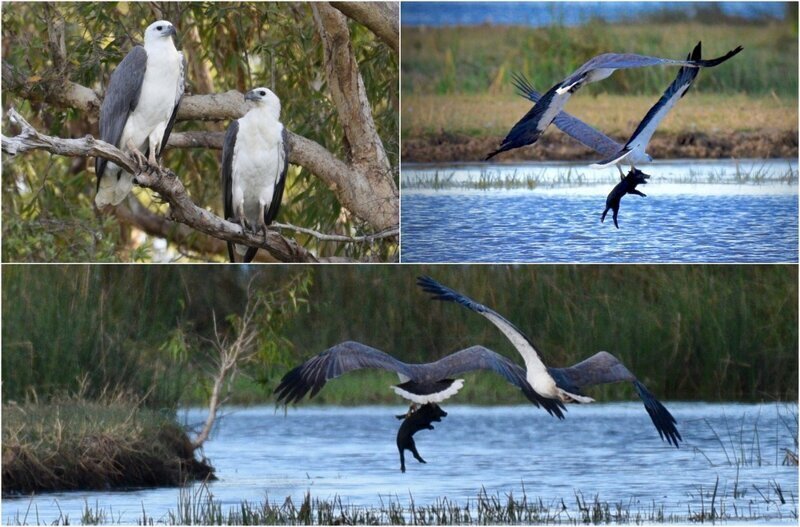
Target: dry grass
(488,115)
(75,444)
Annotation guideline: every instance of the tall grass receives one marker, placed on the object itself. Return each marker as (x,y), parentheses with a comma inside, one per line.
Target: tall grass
(688,331)
(479,59)
(199,507)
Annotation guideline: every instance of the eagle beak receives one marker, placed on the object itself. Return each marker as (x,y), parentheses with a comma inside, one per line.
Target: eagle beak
(172,31)
(250,96)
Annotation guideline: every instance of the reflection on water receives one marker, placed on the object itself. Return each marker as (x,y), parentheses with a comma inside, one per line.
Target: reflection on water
(693,212)
(609,450)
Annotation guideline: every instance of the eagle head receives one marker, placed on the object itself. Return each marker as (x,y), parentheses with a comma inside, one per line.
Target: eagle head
(158,30)
(264,98)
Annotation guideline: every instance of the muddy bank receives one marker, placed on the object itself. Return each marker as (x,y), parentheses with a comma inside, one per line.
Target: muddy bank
(49,449)
(448,147)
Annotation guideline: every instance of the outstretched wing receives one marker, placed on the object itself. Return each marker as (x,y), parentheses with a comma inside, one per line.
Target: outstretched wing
(228,146)
(533,363)
(604,368)
(121,98)
(570,125)
(312,375)
(618,61)
(644,132)
(480,358)
(533,124)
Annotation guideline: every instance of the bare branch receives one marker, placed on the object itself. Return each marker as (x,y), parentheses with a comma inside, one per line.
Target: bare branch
(388,233)
(170,188)
(382,18)
(231,354)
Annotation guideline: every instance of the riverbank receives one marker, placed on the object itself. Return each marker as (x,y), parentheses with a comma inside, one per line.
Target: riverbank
(448,147)
(74,444)
(464,128)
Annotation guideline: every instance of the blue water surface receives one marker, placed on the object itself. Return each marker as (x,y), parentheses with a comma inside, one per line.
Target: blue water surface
(611,451)
(682,219)
(536,14)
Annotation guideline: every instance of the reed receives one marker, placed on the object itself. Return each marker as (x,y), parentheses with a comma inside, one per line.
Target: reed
(480,59)
(198,507)
(691,332)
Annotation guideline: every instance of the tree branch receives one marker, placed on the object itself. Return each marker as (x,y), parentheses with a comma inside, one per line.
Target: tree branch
(389,233)
(182,209)
(382,18)
(351,189)
(134,213)
(232,353)
(367,155)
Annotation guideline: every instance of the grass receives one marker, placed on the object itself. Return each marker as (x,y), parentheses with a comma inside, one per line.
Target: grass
(742,445)
(199,507)
(76,444)
(531,177)
(488,115)
(479,59)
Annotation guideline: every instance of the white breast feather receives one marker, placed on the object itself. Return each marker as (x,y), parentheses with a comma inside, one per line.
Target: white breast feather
(162,80)
(256,164)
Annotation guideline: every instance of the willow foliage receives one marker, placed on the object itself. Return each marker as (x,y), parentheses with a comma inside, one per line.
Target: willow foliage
(47,200)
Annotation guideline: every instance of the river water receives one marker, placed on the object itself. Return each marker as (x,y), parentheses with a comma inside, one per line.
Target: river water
(611,451)
(698,211)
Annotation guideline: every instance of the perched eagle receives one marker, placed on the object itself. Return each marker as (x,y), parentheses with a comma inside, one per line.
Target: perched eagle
(139,108)
(255,157)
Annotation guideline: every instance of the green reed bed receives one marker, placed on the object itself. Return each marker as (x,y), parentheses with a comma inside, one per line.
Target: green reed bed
(71,444)
(690,332)
(480,59)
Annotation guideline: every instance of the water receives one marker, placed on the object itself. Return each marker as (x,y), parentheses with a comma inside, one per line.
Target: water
(712,211)
(537,14)
(608,450)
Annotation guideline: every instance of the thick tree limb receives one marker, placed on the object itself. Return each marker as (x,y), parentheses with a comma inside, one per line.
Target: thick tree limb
(182,209)
(382,18)
(134,213)
(367,155)
(351,189)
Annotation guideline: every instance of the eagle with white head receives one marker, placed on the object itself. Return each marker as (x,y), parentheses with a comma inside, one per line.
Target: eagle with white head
(255,158)
(139,108)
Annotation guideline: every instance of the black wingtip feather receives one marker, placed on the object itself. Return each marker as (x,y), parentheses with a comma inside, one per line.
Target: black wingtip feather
(662,419)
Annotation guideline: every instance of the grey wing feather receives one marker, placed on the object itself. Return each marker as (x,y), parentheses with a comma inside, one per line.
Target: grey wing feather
(570,125)
(480,358)
(227,175)
(277,195)
(312,375)
(178,97)
(604,368)
(633,60)
(121,97)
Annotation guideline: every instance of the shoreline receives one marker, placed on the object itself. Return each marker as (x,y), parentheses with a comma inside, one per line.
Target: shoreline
(447,147)
(80,445)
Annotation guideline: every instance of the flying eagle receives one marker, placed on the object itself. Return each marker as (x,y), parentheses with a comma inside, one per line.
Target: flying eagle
(563,384)
(421,384)
(139,108)
(633,151)
(533,124)
(255,158)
